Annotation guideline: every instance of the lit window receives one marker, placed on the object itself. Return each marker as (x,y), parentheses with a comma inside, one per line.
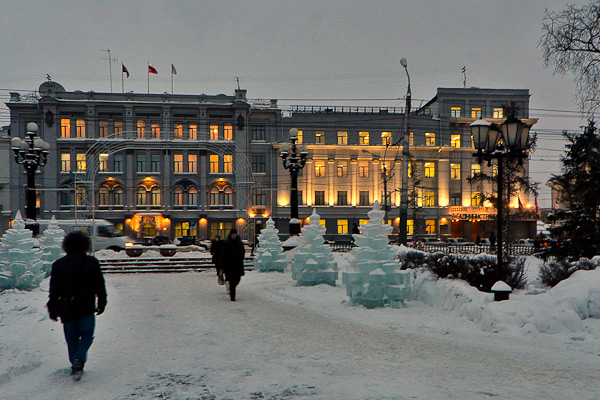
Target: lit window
(429,138)
(103,162)
(475,169)
(103,196)
(156,197)
(81,162)
(364,198)
(429,198)
(410,169)
(455,171)
(192,196)
(430,225)
(141,129)
(319,137)
(386,138)
(178,163)
(342,226)
(80,123)
(410,226)
(192,163)
(118,129)
(178,131)
(455,112)
(363,222)
(319,169)
(178,200)
(476,112)
(363,138)
(80,196)
(103,128)
(411,139)
(65,162)
(494,170)
(214,132)
(228,132)
(498,113)
(319,198)
(342,137)
(322,223)
(342,169)
(228,164)
(214,163)
(429,170)
(65,128)
(228,196)
(342,198)
(363,169)
(455,140)
(192,131)
(300,136)
(476,199)
(386,168)
(155,130)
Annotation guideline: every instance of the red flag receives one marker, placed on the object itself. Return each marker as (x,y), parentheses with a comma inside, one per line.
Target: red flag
(537,208)
(124,70)
(520,204)
(152,70)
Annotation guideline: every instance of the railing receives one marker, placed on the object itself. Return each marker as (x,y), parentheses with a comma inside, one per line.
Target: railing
(345,109)
(475,249)
(342,246)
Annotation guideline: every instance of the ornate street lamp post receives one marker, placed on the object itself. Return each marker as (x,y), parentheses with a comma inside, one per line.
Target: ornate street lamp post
(31,152)
(294,162)
(403,223)
(486,138)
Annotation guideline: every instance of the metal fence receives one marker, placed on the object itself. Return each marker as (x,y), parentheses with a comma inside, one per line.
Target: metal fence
(475,249)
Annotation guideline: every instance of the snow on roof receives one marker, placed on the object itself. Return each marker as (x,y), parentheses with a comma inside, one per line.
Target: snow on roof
(501,286)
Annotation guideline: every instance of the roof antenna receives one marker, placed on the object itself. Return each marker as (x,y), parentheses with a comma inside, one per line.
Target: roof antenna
(464,71)
(49,77)
(237,78)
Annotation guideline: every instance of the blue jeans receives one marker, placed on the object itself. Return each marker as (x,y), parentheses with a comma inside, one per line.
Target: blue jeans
(79,335)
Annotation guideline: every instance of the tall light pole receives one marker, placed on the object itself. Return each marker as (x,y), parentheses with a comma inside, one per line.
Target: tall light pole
(385,178)
(486,137)
(31,152)
(294,162)
(403,223)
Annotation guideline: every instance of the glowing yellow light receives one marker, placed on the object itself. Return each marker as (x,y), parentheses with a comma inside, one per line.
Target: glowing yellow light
(241,221)
(528,205)
(466,202)
(203,221)
(283,202)
(251,214)
(444,221)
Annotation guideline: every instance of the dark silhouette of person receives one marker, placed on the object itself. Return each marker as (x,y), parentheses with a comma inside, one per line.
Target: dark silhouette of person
(216,248)
(232,262)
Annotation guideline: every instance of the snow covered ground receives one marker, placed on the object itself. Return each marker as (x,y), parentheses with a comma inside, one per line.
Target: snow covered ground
(177,336)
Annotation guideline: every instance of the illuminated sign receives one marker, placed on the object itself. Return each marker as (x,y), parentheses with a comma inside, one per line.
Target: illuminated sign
(473,213)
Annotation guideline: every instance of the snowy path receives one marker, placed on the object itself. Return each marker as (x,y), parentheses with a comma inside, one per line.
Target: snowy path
(178,335)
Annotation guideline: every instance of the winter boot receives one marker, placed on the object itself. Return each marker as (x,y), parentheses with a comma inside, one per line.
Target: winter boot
(227,287)
(77,369)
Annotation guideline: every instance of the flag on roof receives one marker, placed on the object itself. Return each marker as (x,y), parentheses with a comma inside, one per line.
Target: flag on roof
(151,69)
(173,70)
(520,204)
(124,69)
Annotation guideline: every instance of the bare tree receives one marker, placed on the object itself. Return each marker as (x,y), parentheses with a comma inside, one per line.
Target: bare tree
(571,43)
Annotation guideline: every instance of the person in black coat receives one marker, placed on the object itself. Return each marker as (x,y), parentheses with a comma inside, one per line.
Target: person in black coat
(76,282)
(216,248)
(232,261)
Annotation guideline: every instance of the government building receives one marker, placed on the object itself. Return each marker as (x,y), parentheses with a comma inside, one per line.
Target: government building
(177,165)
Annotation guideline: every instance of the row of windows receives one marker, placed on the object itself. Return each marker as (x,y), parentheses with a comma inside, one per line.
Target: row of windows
(342,225)
(476,112)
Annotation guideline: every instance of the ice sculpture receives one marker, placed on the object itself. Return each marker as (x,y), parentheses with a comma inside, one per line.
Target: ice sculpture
(374,277)
(21,266)
(313,262)
(51,245)
(269,254)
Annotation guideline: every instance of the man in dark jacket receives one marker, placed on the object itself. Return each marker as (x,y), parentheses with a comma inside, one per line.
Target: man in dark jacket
(75,283)
(216,248)
(232,261)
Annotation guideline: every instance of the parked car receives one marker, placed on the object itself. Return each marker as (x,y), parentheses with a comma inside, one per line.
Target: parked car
(523,243)
(431,241)
(160,240)
(185,241)
(145,241)
(458,242)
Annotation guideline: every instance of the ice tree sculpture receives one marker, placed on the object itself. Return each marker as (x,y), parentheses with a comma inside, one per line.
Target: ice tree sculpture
(21,266)
(51,245)
(269,254)
(374,277)
(313,262)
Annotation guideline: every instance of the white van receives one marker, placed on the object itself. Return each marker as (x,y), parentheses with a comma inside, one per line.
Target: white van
(102,233)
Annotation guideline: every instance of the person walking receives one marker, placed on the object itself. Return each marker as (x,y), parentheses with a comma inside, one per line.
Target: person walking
(76,282)
(216,248)
(232,261)
(492,241)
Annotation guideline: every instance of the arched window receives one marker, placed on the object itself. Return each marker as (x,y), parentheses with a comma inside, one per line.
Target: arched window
(178,200)
(103,196)
(80,196)
(141,196)
(192,196)
(214,196)
(156,198)
(66,195)
(118,196)
(228,196)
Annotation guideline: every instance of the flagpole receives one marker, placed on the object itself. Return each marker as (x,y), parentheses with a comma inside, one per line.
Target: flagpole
(122,80)
(171,78)
(148,72)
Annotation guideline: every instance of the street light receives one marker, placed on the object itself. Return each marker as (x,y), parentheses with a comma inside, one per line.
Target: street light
(293,162)
(32,152)
(403,223)
(486,140)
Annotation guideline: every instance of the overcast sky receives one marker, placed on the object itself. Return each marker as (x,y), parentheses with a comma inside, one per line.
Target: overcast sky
(292,50)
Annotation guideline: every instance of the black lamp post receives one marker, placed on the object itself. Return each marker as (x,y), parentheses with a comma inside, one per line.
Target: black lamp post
(486,138)
(294,162)
(32,153)
(403,223)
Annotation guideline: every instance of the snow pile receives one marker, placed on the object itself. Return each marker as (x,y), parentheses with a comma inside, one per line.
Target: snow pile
(21,266)
(313,262)
(269,254)
(562,309)
(51,244)
(374,277)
